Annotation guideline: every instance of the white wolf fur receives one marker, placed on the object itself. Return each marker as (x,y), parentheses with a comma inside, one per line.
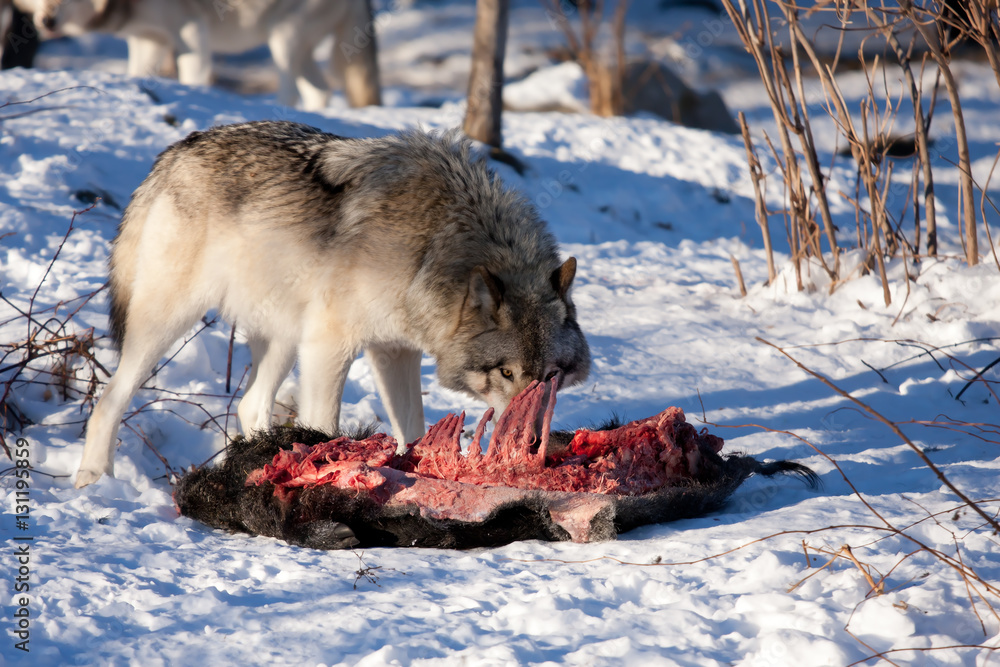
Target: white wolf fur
(194,29)
(324,246)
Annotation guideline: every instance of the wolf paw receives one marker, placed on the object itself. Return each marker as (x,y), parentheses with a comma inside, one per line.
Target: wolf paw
(86,478)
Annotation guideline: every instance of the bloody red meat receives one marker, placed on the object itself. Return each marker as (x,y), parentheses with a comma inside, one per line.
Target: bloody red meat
(636,458)
(583,486)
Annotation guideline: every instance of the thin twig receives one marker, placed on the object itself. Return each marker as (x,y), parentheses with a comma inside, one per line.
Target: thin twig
(895,429)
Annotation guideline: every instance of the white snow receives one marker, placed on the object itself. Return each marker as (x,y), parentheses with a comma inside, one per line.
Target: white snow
(653,212)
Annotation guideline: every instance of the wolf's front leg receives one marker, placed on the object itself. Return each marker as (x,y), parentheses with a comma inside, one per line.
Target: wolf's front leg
(397,375)
(194,55)
(272,359)
(322,373)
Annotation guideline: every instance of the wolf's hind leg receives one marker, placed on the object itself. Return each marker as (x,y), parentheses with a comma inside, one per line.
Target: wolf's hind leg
(288,58)
(272,359)
(146,341)
(313,87)
(397,375)
(356,74)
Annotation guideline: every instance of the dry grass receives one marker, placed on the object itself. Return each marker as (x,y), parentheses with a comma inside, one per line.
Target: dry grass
(605,71)
(932,32)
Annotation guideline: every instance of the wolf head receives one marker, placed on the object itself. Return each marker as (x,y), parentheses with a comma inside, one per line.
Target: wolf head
(514,330)
(70,17)
(495,300)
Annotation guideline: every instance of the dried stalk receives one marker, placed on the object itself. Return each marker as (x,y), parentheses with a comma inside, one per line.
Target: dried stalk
(943,61)
(605,82)
(920,138)
(982,210)
(804,131)
(57,354)
(757,176)
(739,275)
(868,135)
(983,28)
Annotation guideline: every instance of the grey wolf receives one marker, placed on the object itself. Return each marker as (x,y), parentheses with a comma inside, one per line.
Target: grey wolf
(194,29)
(320,247)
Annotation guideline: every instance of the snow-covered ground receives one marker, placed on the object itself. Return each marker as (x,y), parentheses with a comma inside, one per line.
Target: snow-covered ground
(653,212)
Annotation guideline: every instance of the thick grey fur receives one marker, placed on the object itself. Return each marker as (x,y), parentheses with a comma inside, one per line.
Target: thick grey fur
(321,247)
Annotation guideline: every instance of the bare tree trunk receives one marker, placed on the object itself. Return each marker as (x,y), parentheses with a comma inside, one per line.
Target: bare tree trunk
(482,116)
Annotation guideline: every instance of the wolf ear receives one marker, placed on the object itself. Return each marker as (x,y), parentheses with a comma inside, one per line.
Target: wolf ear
(485,292)
(562,277)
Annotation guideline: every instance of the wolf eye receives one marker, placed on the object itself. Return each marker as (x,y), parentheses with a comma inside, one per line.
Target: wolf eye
(507,373)
(552,374)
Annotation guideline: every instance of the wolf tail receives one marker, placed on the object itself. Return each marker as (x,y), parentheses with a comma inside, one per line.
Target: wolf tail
(124,257)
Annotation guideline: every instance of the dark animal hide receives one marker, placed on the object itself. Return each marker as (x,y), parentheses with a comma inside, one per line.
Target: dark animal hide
(300,486)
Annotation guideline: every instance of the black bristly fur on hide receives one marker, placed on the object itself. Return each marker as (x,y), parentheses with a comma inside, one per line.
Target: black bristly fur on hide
(217,496)
(325,517)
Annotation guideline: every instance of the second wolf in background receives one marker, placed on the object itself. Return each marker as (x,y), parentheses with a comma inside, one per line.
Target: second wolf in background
(321,247)
(193,30)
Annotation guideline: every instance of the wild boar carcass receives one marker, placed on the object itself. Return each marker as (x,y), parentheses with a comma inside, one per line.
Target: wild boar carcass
(531,483)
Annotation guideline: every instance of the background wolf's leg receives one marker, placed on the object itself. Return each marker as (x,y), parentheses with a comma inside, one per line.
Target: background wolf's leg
(354,61)
(271,362)
(146,57)
(397,375)
(146,341)
(194,55)
(322,372)
(292,45)
(288,58)
(313,87)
